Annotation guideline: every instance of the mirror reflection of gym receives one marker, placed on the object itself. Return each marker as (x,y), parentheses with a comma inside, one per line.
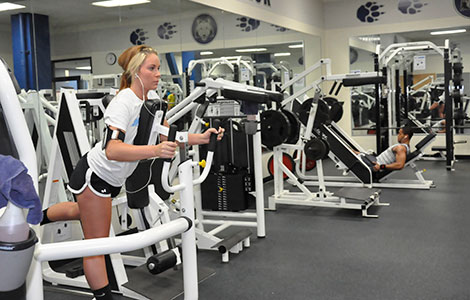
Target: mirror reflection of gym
(424,75)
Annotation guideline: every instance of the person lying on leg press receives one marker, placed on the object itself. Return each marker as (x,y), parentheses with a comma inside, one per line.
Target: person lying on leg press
(394,157)
(100,174)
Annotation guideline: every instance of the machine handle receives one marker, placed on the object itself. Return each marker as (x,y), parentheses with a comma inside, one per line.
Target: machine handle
(213,139)
(172,133)
(172,136)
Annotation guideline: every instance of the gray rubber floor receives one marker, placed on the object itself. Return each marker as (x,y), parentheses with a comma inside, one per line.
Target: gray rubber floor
(417,249)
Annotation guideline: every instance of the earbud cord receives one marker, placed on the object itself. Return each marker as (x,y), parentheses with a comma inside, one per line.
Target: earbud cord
(143,96)
(150,168)
(148,181)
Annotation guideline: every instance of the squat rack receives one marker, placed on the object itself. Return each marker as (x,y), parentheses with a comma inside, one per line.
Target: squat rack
(389,59)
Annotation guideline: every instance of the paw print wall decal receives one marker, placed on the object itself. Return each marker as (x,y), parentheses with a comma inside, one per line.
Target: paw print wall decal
(138,36)
(166,31)
(410,6)
(369,12)
(248,24)
(279,28)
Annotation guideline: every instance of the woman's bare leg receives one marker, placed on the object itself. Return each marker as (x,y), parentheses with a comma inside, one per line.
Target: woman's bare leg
(63,211)
(95,215)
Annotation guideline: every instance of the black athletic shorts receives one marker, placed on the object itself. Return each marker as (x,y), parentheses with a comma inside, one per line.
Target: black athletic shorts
(82,176)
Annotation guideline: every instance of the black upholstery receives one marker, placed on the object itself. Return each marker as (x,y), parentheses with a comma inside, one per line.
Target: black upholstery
(425,140)
(146,120)
(90,95)
(345,154)
(256,97)
(364,81)
(141,175)
(106,100)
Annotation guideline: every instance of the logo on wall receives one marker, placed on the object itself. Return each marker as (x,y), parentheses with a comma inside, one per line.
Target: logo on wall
(463,7)
(204,29)
(264,2)
(248,24)
(280,28)
(166,31)
(410,6)
(369,12)
(138,36)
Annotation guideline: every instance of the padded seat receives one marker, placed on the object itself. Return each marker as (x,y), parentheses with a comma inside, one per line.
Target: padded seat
(438,148)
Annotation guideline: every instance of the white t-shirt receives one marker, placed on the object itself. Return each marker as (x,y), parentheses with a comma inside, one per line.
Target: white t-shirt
(123,112)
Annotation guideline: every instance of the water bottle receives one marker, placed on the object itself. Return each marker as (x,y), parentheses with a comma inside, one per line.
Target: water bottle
(13,226)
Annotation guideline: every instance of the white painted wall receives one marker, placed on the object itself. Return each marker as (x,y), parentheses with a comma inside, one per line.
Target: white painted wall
(5,46)
(343,14)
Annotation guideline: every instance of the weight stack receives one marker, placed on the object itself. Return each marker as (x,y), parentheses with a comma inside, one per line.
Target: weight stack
(224,192)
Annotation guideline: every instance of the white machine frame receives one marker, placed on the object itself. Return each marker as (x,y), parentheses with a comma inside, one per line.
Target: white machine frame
(44,252)
(341,181)
(222,219)
(55,192)
(320,198)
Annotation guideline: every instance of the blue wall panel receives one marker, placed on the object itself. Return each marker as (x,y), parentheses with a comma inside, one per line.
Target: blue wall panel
(31,51)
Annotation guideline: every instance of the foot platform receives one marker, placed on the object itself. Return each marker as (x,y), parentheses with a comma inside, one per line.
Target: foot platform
(233,243)
(367,196)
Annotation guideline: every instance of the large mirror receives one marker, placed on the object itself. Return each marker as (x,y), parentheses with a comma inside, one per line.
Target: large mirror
(76,44)
(416,79)
(89,38)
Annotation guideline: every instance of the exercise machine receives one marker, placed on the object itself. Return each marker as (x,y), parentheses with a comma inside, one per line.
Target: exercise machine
(209,92)
(20,145)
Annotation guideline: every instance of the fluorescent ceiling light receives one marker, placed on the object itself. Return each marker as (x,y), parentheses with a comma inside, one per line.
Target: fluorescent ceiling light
(282,54)
(369,38)
(251,50)
(296,46)
(448,31)
(206,53)
(10,6)
(114,3)
(84,68)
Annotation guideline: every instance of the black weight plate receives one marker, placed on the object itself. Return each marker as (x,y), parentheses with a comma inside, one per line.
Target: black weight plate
(303,111)
(323,114)
(275,128)
(336,112)
(327,148)
(294,126)
(336,108)
(315,149)
(330,100)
